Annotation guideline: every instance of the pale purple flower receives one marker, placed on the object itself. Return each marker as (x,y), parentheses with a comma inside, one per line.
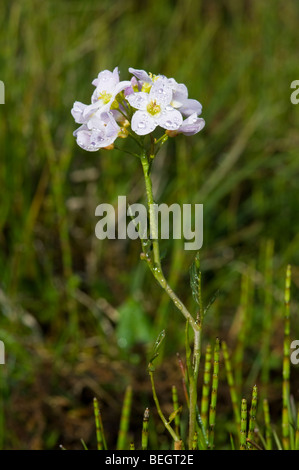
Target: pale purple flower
(154,109)
(190,126)
(99,132)
(107,88)
(143,76)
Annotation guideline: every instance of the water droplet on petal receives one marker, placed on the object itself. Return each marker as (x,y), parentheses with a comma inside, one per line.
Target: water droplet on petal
(141,125)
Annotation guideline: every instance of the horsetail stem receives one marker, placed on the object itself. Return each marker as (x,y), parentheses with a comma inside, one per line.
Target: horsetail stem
(175,401)
(101,442)
(206,387)
(212,415)
(286,363)
(252,417)
(124,420)
(244,326)
(267,317)
(132,446)
(268,431)
(231,383)
(243,427)
(144,435)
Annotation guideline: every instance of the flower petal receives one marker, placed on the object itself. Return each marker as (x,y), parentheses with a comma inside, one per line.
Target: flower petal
(142,123)
(106,80)
(170,119)
(161,91)
(141,75)
(78,112)
(190,106)
(138,100)
(180,95)
(191,125)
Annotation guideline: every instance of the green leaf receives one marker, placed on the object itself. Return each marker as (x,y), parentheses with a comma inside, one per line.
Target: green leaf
(156,348)
(174,414)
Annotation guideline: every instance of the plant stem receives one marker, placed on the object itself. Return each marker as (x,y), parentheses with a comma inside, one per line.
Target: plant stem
(174,436)
(155,265)
(286,364)
(156,268)
(243,429)
(124,420)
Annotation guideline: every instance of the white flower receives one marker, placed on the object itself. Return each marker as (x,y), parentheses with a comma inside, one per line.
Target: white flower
(99,132)
(154,109)
(107,88)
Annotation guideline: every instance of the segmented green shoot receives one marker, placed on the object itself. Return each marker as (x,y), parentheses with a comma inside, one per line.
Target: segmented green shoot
(212,414)
(124,420)
(286,364)
(267,316)
(206,387)
(101,441)
(268,430)
(144,435)
(243,318)
(243,427)
(252,418)
(231,383)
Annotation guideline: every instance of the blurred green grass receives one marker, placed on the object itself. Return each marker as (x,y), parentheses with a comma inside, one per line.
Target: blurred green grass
(60,286)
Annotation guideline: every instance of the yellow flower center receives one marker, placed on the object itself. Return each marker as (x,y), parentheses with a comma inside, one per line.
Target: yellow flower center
(105,97)
(146,87)
(153,108)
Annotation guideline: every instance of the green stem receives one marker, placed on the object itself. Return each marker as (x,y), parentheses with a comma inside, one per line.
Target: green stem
(286,364)
(155,265)
(156,268)
(173,434)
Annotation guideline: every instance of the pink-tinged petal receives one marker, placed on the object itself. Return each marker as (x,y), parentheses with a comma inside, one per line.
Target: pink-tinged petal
(192,125)
(91,109)
(95,122)
(128,91)
(180,95)
(84,140)
(106,80)
(138,100)
(112,127)
(115,74)
(77,112)
(170,119)
(120,87)
(142,123)
(161,91)
(190,107)
(93,140)
(141,75)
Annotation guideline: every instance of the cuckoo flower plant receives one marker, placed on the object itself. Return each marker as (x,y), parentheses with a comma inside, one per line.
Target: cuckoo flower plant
(138,108)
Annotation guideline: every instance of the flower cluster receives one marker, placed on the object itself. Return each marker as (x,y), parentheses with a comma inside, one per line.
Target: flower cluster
(120,108)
